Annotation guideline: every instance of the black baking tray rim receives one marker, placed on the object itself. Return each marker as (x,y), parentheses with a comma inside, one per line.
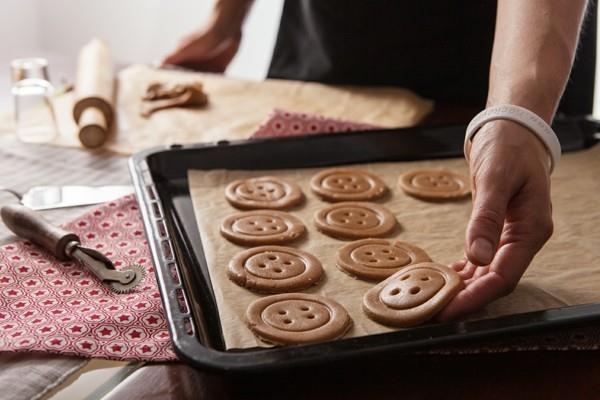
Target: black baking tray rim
(160,180)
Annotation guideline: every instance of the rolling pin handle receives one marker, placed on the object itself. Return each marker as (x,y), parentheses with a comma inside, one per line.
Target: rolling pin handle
(30,225)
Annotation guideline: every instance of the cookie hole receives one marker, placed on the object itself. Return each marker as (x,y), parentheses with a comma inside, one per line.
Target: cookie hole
(414,290)
(304,308)
(259,229)
(273,228)
(278,270)
(360,222)
(287,263)
(310,316)
(281,312)
(270,221)
(262,266)
(271,190)
(369,253)
(385,251)
(354,186)
(362,214)
(392,258)
(272,258)
(263,195)
(261,187)
(395,291)
(372,260)
(287,321)
(426,278)
(252,223)
(345,221)
(347,214)
(405,277)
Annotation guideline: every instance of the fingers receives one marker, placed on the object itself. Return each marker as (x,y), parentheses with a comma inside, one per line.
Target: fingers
(467,271)
(487,284)
(487,218)
(476,294)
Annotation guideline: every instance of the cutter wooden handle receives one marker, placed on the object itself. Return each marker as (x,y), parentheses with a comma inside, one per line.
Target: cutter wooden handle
(32,226)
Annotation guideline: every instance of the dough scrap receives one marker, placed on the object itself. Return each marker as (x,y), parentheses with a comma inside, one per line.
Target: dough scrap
(160,96)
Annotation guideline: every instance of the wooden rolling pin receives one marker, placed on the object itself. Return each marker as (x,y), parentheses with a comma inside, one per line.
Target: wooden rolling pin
(94,90)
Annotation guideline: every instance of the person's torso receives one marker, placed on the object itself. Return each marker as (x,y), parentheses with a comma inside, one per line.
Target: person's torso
(439,49)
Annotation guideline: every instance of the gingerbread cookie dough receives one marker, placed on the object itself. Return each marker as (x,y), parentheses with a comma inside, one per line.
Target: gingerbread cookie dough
(377,259)
(274,269)
(266,192)
(355,220)
(434,184)
(297,318)
(160,96)
(253,228)
(412,295)
(338,184)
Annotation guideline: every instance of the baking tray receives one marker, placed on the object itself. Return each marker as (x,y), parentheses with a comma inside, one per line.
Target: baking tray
(160,179)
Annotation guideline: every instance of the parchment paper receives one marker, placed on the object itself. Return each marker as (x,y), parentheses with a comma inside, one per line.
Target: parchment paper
(235,110)
(565,272)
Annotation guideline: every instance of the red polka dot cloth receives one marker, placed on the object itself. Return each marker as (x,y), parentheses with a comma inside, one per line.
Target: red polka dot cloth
(283,123)
(60,307)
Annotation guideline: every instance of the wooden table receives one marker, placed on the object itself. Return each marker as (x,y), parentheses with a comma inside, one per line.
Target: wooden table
(516,375)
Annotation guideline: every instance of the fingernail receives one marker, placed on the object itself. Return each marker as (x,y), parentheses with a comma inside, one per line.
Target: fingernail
(482,250)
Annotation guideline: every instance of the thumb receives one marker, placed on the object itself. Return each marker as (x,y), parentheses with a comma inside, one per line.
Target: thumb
(487,220)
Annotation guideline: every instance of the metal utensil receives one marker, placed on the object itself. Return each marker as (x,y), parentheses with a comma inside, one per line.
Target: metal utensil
(50,197)
(66,245)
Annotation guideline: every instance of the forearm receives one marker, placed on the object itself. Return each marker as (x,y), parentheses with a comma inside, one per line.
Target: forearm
(534,47)
(229,15)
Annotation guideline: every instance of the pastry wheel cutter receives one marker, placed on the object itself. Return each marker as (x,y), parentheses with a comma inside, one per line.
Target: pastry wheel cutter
(67,246)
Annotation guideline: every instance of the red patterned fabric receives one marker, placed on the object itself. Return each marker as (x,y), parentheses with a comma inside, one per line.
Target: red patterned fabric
(282,123)
(60,307)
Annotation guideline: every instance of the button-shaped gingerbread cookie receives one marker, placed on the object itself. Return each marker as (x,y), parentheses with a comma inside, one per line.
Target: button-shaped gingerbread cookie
(266,192)
(341,184)
(253,228)
(355,220)
(431,184)
(297,318)
(274,269)
(412,295)
(377,259)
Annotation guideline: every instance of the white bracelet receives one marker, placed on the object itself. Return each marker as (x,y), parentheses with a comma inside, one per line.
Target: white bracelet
(523,117)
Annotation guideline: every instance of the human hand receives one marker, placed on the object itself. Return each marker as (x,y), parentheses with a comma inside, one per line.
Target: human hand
(209,50)
(511,218)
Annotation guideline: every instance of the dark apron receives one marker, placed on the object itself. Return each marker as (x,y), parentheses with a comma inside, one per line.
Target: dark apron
(439,49)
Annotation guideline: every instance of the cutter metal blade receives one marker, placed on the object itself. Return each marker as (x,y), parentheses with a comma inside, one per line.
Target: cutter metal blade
(137,271)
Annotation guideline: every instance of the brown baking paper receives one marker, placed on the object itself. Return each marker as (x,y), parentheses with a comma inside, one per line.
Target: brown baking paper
(565,272)
(235,108)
